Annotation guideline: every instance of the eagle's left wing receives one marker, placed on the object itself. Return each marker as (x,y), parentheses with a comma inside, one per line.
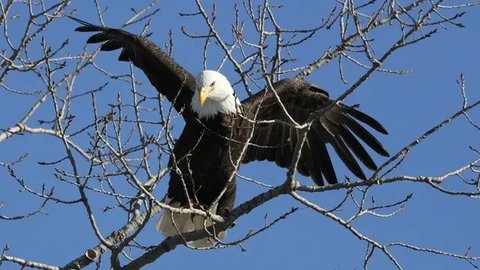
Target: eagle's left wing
(274,139)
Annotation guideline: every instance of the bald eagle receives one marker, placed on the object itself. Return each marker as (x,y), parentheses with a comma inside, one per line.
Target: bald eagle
(220,131)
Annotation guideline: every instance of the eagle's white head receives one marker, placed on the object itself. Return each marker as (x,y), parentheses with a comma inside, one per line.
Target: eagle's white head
(213,95)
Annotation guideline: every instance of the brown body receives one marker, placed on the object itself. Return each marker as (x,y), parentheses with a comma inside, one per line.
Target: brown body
(205,158)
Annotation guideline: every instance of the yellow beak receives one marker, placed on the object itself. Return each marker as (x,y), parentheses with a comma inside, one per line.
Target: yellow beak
(204,91)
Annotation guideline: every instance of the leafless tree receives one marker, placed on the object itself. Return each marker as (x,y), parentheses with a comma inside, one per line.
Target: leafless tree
(109,152)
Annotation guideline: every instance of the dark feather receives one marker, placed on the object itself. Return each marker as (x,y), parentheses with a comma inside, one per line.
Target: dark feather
(283,154)
(366,119)
(321,154)
(86,26)
(348,158)
(85,29)
(111,45)
(99,37)
(125,55)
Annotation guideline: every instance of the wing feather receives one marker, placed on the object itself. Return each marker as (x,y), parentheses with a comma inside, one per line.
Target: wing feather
(111,45)
(96,38)
(357,148)
(365,119)
(347,158)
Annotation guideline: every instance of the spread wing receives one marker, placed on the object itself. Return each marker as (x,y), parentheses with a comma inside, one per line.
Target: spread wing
(340,127)
(168,77)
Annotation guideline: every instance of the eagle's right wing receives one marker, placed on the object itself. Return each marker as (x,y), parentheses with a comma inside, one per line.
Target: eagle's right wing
(168,77)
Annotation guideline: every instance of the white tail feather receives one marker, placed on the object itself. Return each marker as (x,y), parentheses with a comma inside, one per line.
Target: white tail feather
(171,223)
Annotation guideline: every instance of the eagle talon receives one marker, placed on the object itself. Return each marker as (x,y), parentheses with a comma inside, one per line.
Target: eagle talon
(197,206)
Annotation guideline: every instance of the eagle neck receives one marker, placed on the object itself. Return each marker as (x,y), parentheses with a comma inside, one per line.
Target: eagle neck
(212,108)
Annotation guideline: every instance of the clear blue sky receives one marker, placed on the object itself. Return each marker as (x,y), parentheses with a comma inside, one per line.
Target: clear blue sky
(407,106)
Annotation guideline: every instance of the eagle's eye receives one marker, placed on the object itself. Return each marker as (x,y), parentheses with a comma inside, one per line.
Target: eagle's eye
(212,84)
